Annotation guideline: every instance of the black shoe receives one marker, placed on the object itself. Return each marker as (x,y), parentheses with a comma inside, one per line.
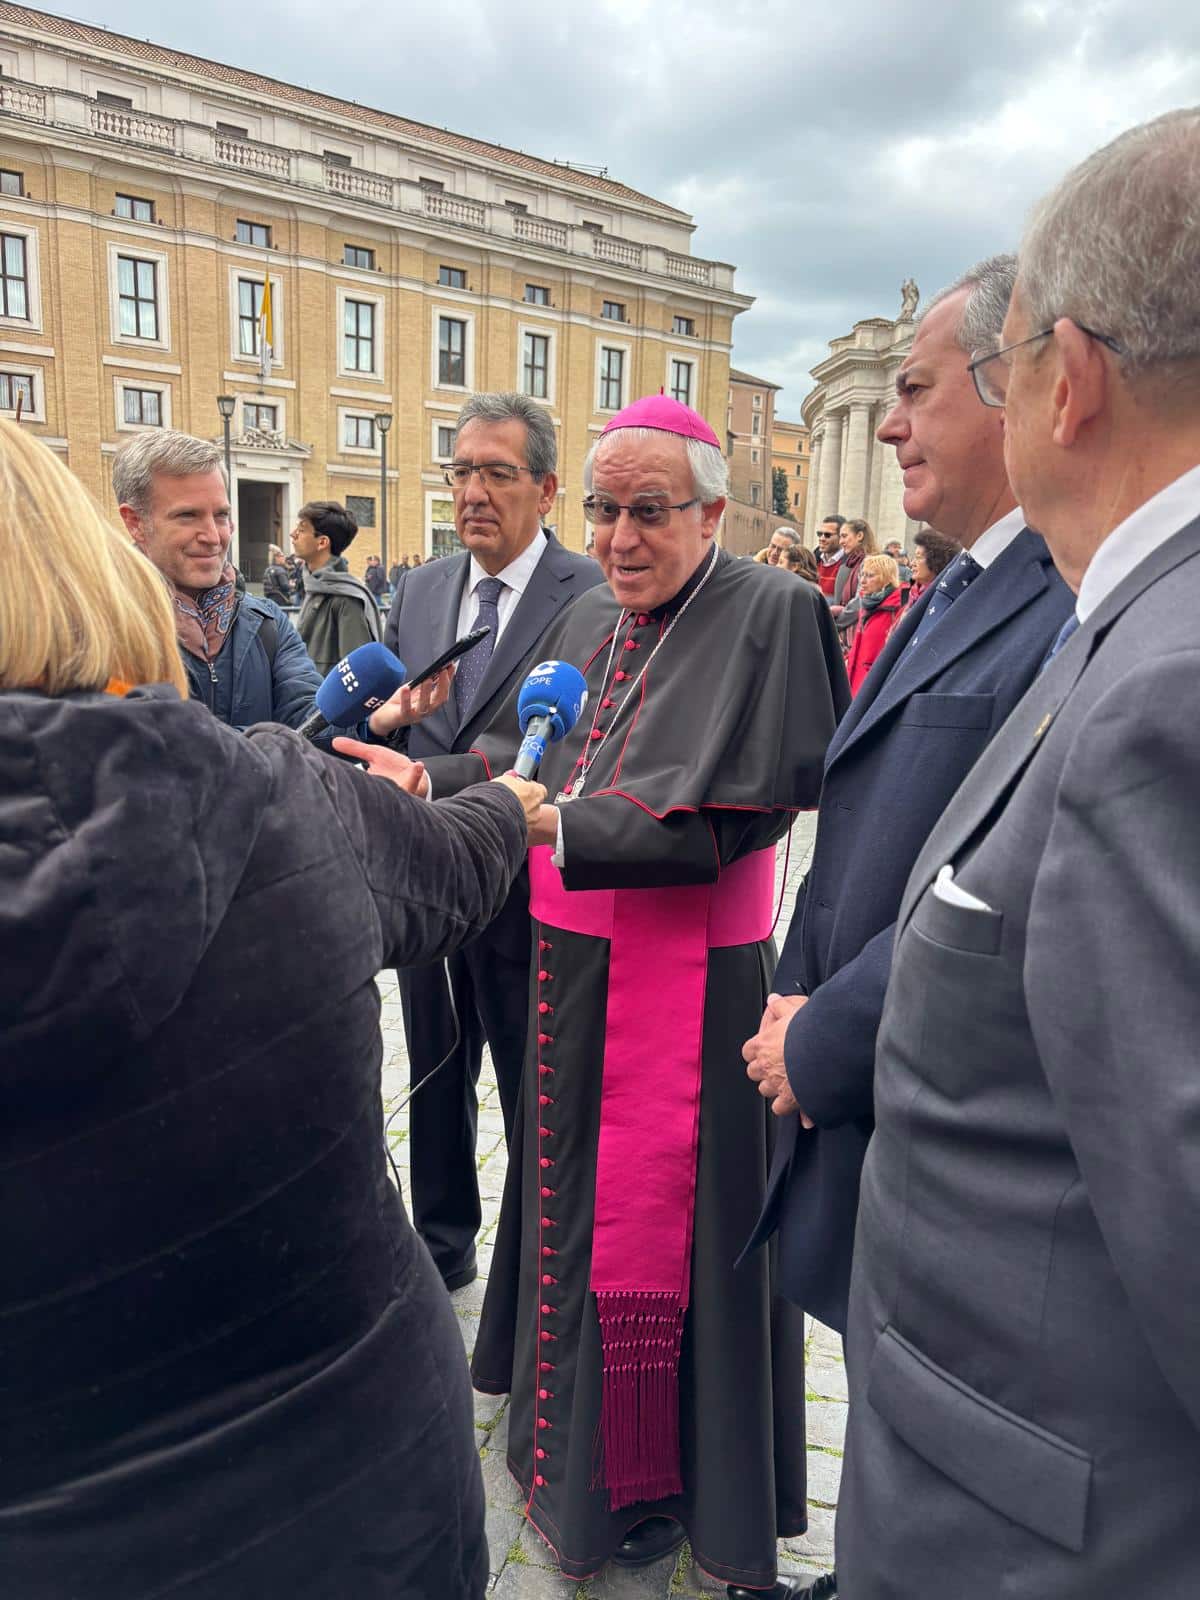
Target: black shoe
(650,1541)
(461,1277)
(825,1588)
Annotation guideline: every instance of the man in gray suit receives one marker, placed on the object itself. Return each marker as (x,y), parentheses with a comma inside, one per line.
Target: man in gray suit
(1025,1306)
(514,578)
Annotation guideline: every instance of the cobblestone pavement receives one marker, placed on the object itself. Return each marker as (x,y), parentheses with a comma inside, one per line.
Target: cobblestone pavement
(522,1567)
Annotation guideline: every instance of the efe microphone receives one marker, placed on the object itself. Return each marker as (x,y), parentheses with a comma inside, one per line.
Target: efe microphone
(358,685)
(548,707)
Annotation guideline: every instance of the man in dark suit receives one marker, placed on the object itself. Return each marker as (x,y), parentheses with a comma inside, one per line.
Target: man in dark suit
(515,579)
(951,672)
(1025,1310)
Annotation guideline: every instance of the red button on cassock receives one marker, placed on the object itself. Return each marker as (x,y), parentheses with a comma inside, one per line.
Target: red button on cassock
(643,620)
(545,1100)
(544,1007)
(620,677)
(547,1194)
(542,1423)
(545,1038)
(546,1278)
(545,1071)
(540,1481)
(631,644)
(606,703)
(540,1454)
(543,975)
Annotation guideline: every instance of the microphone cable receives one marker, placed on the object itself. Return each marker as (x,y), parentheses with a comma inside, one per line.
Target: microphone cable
(416,1088)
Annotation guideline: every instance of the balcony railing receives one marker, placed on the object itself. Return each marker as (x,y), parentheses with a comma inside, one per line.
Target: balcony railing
(77,115)
(453,208)
(249,157)
(135,126)
(359,185)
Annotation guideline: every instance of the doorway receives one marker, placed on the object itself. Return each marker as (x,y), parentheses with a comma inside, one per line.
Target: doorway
(260,525)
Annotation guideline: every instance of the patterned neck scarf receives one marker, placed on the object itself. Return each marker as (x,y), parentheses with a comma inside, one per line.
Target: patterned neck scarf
(203,620)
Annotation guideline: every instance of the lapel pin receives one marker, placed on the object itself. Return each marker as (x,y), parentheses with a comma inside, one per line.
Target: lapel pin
(1043,725)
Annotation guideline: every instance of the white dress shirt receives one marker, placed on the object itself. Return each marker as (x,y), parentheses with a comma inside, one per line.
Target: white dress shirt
(515,578)
(996,539)
(1139,536)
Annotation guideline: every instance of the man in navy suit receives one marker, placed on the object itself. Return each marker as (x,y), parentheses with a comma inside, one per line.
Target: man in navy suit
(514,578)
(949,676)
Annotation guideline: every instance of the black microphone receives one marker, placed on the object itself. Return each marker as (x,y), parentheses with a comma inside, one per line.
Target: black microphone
(358,685)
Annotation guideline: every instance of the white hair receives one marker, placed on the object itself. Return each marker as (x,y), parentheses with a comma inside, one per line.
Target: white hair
(710,471)
(991,284)
(1116,246)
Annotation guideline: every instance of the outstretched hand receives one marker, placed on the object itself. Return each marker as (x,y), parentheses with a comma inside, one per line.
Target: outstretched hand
(407,705)
(384,763)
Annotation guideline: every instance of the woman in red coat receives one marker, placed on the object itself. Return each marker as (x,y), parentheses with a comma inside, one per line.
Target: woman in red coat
(880,602)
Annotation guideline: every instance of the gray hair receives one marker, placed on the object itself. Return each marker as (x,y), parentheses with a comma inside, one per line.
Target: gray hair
(1116,246)
(159,450)
(788,533)
(710,471)
(541,447)
(991,284)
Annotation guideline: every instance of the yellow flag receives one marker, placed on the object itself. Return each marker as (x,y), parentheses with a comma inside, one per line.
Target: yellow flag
(266,331)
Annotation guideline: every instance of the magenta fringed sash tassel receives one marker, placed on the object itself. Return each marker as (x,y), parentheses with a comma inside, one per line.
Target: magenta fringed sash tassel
(649,1132)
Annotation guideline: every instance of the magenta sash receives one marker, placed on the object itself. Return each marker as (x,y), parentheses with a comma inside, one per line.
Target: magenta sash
(649,1130)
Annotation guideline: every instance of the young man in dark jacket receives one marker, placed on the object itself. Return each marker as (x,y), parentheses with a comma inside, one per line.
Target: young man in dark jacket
(339,611)
(244,659)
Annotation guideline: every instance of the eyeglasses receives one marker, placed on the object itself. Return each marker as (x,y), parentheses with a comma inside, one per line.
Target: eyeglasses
(992,387)
(495,474)
(646,513)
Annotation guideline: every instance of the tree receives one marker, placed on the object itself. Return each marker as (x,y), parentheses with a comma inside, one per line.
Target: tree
(779,492)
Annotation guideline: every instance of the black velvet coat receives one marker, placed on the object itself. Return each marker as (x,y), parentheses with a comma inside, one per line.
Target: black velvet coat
(227,1366)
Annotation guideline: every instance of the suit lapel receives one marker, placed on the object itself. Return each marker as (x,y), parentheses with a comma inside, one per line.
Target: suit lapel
(1002,763)
(1016,577)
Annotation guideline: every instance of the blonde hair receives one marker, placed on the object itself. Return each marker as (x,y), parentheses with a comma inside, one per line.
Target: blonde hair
(884,566)
(78,604)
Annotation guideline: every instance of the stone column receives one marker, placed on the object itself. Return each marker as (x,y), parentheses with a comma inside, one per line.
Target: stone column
(892,522)
(831,466)
(854,462)
(879,453)
(814,487)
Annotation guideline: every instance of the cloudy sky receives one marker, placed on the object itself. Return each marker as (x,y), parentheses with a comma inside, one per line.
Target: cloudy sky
(828,150)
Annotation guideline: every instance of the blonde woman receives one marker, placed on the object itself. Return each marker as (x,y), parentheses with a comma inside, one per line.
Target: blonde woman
(229,1365)
(879,604)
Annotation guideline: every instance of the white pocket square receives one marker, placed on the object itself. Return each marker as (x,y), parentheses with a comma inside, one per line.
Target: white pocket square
(946,890)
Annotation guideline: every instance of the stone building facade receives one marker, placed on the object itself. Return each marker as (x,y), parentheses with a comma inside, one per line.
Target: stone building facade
(851,472)
(750,422)
(146,197)
(791,454)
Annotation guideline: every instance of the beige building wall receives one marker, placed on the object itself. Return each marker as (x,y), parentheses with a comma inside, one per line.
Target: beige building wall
(750,424)
(791,454)
(456,232)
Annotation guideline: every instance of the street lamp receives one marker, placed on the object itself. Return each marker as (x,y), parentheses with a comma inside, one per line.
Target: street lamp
(225,405)
(383,422)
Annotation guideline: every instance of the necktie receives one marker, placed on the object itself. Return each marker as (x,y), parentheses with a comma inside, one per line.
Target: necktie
(951,586)
(1060,639)
(474,664)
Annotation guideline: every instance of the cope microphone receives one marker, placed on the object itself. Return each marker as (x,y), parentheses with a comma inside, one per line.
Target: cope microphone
(358,685)
(548,707)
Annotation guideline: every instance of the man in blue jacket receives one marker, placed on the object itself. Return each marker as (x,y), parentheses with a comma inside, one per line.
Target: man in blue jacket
(950,674)
(243,657)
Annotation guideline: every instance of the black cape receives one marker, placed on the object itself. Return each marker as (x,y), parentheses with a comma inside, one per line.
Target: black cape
(729,738)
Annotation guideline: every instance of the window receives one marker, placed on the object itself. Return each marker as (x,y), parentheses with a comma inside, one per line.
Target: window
(684,325)
(232,131)
(796,499)
(358,329)
(681,382)
(362,508)
(537,294)
(359,433)
(137,290)
(756,425)
(452,345)
(334,158)
(16,386)
(11,182)
(14,282)
(121,102)
(445,441)
(593,227)
(614,310)
(253,233)
(250,299)
(517,207)
(535,365)
(128,205)
(143,406)
(755,493)
(754,458)
(256,415)
(434,185)
(452,277)
(357,255)
(612,378)
(757,401)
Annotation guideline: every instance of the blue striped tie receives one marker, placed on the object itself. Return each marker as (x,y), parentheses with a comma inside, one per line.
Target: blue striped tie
(1060,639)
(475,663)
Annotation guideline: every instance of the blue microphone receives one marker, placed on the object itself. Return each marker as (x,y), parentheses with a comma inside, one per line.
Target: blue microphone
(358,685)
(548,707)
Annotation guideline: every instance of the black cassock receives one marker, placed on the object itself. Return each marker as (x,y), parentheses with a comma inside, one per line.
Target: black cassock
(706,763)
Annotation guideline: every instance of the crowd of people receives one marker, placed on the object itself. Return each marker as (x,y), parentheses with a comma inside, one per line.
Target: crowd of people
(956,1121)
